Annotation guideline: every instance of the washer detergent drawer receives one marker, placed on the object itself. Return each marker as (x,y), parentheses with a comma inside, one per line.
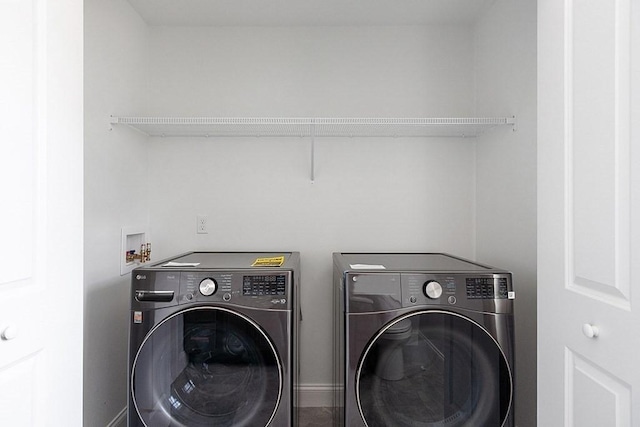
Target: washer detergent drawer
(154,296)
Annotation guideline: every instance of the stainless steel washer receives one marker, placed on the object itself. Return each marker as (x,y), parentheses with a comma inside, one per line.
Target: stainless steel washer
(422,340)
(213,340)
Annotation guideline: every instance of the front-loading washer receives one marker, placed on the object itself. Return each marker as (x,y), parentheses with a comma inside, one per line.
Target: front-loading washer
(213,340)
(422,340)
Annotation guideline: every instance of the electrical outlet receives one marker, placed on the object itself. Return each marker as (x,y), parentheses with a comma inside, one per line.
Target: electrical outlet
(202,224)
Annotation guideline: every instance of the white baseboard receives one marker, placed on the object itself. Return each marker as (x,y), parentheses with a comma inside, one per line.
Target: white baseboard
(120,420)
(315,395)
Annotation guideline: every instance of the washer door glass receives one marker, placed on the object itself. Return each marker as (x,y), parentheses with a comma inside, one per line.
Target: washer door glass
(433,368)
(206,366)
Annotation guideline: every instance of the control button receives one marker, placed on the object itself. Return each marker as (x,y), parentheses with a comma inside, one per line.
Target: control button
(413,300)
(188,297)
(208,287)
(452,299)
(432,289)
(226,297)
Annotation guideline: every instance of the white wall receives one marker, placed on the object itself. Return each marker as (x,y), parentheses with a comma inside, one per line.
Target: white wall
(115,183)
(369,194)
(373,194)
(311,71)
(506,173)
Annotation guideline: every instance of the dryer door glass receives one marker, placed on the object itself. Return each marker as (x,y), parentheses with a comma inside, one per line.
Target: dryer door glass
(206,366)
(430,369)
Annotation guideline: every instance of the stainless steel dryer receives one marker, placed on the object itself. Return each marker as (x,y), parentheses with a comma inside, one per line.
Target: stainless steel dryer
(213,341)
(422,340)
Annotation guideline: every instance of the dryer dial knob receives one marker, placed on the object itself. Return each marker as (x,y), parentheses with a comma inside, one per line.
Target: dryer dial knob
(432,289)
(208,287)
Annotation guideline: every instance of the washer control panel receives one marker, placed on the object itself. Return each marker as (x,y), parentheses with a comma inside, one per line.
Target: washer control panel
(269,284)
(252,289)
(204,286)
(255,288)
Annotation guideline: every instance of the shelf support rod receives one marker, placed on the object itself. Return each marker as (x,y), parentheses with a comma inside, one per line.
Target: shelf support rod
(312,132)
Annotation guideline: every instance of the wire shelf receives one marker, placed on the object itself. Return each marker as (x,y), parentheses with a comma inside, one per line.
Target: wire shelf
(312,127)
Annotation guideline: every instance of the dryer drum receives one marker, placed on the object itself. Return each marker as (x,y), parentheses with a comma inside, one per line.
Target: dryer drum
(451,373)
(206,366)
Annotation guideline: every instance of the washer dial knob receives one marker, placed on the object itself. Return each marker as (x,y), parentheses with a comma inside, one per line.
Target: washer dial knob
(432,289)
(208,287)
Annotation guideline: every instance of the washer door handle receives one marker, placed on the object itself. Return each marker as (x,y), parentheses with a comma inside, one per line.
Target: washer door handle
(590,331)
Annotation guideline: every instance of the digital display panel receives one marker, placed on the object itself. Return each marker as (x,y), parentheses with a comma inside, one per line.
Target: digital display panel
(263,285)
(487,288)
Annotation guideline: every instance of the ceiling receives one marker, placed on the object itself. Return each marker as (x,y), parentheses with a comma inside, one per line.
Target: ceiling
(308,12)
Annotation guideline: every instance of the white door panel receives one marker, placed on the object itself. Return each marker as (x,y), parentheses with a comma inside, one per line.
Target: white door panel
(20,346)
(594,396)
(588,243)
(597,114)
(41,213)
(18,47)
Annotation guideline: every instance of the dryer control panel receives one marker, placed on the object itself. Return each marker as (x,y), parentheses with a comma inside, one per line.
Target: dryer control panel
(487,287)
(486,292)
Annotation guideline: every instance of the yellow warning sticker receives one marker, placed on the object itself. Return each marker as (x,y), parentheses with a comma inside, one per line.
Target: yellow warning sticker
(275,261)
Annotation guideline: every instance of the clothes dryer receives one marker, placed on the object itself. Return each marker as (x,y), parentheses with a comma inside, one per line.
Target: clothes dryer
(422,340)
(213,340)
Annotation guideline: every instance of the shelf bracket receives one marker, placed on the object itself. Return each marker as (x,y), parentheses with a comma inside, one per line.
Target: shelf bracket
(112,121)
(312,133)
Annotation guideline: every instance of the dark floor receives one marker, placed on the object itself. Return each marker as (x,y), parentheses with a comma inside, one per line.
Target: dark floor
(316,417)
